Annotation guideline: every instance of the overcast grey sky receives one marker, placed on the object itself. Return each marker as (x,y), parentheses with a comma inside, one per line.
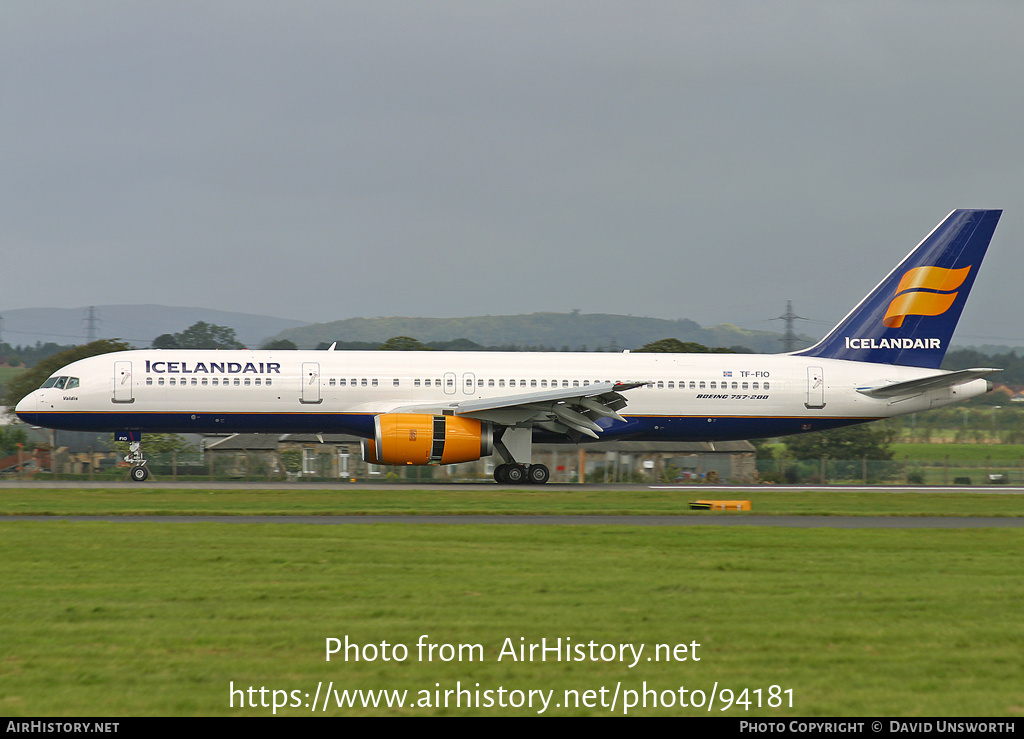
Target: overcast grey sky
(323,160)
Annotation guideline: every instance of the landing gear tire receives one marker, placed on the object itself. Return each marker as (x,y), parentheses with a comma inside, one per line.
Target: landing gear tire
(139,473)
(515,474)
(538,474)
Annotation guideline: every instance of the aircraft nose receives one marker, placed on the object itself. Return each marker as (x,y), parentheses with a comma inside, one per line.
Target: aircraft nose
(26,405)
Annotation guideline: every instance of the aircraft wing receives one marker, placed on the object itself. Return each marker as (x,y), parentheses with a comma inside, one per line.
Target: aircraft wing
(912,387)
(567,410)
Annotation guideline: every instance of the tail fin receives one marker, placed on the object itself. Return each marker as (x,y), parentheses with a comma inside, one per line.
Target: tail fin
(910,316)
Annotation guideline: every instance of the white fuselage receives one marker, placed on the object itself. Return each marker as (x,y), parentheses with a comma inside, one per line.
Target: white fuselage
(689,396)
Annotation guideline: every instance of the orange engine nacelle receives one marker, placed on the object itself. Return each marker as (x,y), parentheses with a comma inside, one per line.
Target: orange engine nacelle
(416,438)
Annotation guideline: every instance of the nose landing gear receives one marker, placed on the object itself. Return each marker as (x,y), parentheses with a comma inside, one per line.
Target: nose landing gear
(138,473)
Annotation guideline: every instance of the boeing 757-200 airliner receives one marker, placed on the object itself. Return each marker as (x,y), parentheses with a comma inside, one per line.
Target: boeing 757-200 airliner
(882,360)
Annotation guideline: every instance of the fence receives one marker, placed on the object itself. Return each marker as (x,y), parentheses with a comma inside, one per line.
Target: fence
(342,466)
(905,471)
(234,465)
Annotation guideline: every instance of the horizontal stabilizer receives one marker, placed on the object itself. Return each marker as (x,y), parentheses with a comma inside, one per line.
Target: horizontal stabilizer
(912,387)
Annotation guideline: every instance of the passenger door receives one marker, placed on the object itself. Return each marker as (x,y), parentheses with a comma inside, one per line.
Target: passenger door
(123,382)
(310,383)
(815,388)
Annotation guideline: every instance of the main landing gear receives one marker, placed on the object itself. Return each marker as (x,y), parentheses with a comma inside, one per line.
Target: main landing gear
(138,473)
(516,444)
(518,474)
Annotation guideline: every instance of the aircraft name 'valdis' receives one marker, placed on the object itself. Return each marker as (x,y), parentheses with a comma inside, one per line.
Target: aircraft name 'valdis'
(210,368)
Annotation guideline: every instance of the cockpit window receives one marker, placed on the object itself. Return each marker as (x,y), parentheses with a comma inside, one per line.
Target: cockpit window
(63,383)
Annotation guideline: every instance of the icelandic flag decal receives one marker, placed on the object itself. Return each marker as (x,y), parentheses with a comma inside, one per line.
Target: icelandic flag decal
(726,373)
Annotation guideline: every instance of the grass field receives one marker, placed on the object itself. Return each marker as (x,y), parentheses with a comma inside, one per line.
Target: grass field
(523,501)
(162,618)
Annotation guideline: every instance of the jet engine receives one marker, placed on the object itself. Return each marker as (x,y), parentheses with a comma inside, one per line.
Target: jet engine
(417,438)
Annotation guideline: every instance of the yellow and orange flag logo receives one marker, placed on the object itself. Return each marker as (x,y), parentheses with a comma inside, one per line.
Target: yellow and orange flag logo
(910,299)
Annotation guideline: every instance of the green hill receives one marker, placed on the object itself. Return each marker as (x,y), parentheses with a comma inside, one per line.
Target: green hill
(557,331)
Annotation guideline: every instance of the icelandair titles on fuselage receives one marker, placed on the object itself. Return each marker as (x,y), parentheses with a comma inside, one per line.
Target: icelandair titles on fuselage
(210,368)
(893,343)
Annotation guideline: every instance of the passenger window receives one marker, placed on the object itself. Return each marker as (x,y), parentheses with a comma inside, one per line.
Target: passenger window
(256,381)
(395,382)
(237,382)
(702,384)
(149,380)
(766,386)
(213,382)
(416,382)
